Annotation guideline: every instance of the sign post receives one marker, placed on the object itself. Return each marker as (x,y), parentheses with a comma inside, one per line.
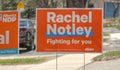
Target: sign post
(9,32)
(20,8)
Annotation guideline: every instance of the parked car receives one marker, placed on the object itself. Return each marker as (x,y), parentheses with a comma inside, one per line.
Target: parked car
(26,34)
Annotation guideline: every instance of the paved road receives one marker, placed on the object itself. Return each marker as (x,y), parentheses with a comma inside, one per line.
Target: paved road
(104,65)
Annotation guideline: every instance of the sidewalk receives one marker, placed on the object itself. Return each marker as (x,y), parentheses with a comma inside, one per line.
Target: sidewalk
(66,62)
(103,65)
(115,36)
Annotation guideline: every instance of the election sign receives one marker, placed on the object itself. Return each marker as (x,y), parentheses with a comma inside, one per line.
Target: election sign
(69,30)
(9,32)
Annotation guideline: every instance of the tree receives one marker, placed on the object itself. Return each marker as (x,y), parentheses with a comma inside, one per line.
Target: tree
(31,6)
(9,4)
(76,3)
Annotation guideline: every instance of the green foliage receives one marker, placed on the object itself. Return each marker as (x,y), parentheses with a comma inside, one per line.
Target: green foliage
(118,27)
(9,4)
(31,5)
(106,34)
(20,61)
(112,22)
(107,56)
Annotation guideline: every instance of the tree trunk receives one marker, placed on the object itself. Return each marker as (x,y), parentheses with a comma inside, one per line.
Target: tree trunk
(76,3)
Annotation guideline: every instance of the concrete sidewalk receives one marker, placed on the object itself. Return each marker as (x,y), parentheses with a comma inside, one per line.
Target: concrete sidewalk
(66,62)
(115,35)
(103,65)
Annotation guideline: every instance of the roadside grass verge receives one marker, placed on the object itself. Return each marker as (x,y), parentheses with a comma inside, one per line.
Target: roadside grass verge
(106,34)
(108,56)
(112,22)
(21,61)
(118,27)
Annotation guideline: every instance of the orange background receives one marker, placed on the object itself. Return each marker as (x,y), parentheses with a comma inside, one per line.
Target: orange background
(13,32)
(96,24)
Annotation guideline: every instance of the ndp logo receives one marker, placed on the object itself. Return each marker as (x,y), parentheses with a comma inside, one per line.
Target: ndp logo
(6,18)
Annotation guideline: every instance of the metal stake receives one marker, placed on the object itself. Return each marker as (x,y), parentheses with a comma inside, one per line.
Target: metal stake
(56,62)
(84,61)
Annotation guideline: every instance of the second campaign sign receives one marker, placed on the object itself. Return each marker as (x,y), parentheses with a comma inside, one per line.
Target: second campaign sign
(69,30)
(9,32)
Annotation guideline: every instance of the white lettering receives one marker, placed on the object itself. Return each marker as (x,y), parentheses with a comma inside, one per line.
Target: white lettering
(4,39)
(51,29)
(74,17)
(9,18)
(68,30)
(51,16)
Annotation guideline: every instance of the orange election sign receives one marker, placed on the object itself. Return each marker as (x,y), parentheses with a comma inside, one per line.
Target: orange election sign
(9,32)
(69,30)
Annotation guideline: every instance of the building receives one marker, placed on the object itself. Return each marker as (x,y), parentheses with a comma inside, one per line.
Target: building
(111,7)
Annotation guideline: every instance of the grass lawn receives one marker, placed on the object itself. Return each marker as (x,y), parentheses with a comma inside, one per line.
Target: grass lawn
(106,34)
(25,60)
(108,56)
(118,27)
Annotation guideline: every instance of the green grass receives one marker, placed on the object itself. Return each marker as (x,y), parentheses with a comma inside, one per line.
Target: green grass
(24,61)
(113,19)
(107,56)
(118,27)
(112,22)
(106,34)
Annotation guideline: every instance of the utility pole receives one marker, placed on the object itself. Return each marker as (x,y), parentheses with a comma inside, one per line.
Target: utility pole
(87,2)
